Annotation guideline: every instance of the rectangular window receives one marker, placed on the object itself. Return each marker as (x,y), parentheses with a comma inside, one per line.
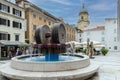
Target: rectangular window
(4,36)
(17,12)
(103,33)
(34,15)
(16,37)
(45,19)
(4,22)
(115,47)
(17,25)
(114,39)
(4,7)
(114,30)
(49,23)
(103,39)
(40,18)
(88,33)
(34,27)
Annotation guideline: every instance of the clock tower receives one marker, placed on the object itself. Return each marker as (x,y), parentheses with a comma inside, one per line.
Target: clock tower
(83,18)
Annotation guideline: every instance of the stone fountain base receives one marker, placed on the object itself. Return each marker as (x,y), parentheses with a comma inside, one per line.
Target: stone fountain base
(68,74)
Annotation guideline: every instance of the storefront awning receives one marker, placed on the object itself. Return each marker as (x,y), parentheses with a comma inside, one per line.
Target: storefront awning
(13,43)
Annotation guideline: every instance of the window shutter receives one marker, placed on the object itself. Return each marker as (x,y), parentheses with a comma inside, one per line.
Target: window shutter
(8,9)
(13,11)
(9,37)
(13,24)
(0,6)
(20,13)
(0,20)
(20,26)
(8,22)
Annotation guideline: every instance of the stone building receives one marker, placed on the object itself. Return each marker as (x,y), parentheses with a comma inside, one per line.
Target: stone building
(70,32)
(35,17)
(12,26)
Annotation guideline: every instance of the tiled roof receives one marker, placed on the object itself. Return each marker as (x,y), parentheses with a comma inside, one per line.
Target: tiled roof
(96,29)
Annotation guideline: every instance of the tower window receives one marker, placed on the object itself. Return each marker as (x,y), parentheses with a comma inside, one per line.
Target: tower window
(82,17)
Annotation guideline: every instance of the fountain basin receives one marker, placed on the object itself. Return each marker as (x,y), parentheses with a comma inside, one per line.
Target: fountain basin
(52,66)
(63,70)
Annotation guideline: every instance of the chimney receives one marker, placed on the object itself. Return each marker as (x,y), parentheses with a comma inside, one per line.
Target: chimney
(20,2)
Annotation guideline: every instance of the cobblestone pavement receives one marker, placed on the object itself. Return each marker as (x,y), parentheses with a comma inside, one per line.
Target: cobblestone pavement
(109,67)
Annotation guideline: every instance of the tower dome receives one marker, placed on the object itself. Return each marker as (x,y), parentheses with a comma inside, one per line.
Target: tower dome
(83,10)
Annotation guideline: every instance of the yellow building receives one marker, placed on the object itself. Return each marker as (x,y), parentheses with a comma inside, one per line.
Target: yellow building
(35,17)
(70,33)
(83,18)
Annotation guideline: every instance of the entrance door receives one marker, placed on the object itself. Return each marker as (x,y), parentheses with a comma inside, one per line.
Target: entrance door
(4,51)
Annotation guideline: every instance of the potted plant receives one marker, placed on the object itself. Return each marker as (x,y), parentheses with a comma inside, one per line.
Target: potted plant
(104,51)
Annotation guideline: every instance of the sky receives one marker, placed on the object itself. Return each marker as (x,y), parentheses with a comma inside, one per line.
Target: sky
(69,9)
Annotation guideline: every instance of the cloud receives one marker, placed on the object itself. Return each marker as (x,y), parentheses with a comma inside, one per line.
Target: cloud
(64,2)
(103,6)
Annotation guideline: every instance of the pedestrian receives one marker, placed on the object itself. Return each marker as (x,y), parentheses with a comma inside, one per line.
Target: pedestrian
(27,51)
(9,54)
(19,52)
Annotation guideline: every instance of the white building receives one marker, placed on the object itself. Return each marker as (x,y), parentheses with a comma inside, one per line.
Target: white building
(94,32)
(111,34)
(105,33)
(12,26)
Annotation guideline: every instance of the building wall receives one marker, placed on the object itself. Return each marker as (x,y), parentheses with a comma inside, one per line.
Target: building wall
(35,18)
(70,33)
(10,16)
(94,36)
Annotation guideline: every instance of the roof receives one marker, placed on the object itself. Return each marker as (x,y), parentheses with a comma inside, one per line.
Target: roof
(96,29)
(14,4)
(83,10)
(40,9)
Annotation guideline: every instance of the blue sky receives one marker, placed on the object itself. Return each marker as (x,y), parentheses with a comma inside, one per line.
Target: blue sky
(69,9)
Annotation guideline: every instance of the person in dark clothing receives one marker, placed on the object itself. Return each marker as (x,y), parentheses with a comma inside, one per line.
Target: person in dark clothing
(19,52)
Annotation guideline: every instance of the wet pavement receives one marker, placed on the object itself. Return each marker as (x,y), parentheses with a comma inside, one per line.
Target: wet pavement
(109,67)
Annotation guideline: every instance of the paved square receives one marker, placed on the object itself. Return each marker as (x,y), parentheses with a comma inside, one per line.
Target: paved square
(109,67)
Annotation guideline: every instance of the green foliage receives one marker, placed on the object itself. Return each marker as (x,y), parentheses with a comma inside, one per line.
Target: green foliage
(81,50)
(104,51)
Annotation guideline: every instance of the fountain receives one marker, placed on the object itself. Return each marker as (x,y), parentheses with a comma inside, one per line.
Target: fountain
(52,63)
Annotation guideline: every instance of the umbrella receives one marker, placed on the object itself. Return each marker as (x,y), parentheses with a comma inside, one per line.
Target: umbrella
(77,44)
(94,42)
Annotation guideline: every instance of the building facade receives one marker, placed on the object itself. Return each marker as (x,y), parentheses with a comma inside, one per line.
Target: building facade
(70,33)
(12,26)
(105,33)
(35,17)
(113,44)
(94,34)
(83,18)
